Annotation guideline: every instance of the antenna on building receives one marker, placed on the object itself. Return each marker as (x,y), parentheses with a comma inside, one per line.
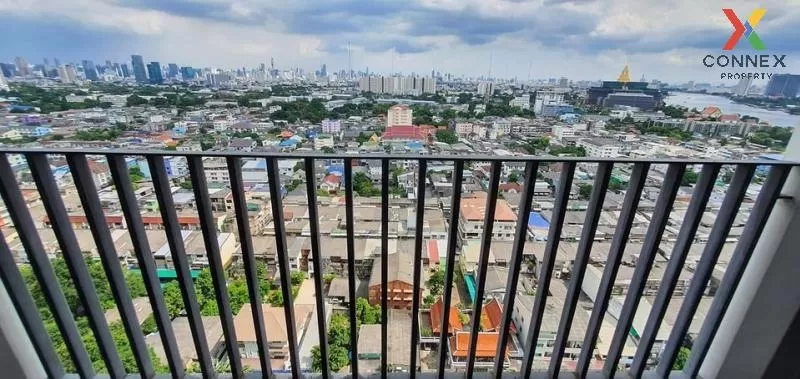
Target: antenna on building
(490,66)
(530,66)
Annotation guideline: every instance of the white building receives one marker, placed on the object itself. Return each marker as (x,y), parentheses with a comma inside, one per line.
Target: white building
(485,88)
(398,85)
(331,126)
(464,129)
(597,147)
(323,141)
(3,82)
(546,98)
(470,220)
(399,115)
(216,171)
(563,131)
(523,102)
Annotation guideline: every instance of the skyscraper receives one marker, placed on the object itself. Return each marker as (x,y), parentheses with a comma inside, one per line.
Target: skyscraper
(743,87)
(7,69)
(139,70)
(126,72)
(154,72)
(3,82)
(90,71)
(22,66)
(66,74)
(783,85)
(173,71)
(56,62)
(187,73)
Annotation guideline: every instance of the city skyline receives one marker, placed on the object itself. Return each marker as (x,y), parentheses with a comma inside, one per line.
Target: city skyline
(586,41)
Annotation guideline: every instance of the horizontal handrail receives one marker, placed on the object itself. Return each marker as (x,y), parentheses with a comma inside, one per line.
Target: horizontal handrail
(412,157)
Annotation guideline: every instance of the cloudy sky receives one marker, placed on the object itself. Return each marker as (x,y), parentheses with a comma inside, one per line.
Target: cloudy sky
(579,39)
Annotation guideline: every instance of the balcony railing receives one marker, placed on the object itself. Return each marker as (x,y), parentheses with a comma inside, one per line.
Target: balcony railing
(586,364)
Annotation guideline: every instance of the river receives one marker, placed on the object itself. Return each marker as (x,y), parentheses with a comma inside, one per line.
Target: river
(700,101)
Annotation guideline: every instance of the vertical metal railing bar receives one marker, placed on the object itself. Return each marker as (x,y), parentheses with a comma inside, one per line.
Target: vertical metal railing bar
(384,266)
(28,313)
(313,215)
(546,267)
(593,211)
(515,266)
(733,274)
(87,192)
(249,261)
(273,178)
(452,244)
(418,235)
(147,265)
(686,235)
(486,246)
(664,203)
(716,240)
(210,241)
(70,249)
(161,187)
(620,239)
(351,264)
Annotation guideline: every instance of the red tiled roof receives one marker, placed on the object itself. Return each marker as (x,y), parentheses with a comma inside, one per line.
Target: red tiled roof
(729,117)
(485,348)
(406,132)
(437,309)
(332,179)
(474,209)
(492,317)
(505,187)
(433,251)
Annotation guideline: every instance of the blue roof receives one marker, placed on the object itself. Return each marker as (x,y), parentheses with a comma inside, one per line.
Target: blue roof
(288,142)
(336,169)
(414,145)
(537,221)
(772,157)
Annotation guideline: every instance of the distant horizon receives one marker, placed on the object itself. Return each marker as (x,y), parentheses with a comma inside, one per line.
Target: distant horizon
(583,40)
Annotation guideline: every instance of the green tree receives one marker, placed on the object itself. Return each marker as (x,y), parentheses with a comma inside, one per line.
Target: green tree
(366,313)
(204,287)
(363,185)
(680,360)
(446,136)
(238,295)
(173,299)
(436,283)
(513,177)
(689,178)
(298,277)
(134,100)
(328,150)
(584,191)
(428,300)
(339,331)
(299,166)
(135,284)
(149,324)
(616,186)
(337,358)
(136,174)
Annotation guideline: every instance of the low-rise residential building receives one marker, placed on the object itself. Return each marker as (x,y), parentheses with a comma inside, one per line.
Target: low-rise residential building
(471,217)
(400,281)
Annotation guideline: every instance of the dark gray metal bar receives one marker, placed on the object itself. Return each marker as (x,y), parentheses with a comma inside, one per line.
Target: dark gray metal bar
(627,215)
(273,176)
(415,157)
(147,265)
(669,189)
(161,186)
(311,191)
(96,219)
(28,313)
(216,268)
(546,267)
(249,261)
(694,214)
(351,264)
(601,180)
(733,274)
(520,237)
(483,261)
(40,263)
(71,250)
(702,273)
(384,266)
(452,245)
(418,235)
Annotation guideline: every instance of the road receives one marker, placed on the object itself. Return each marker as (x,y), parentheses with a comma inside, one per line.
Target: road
(311,336)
